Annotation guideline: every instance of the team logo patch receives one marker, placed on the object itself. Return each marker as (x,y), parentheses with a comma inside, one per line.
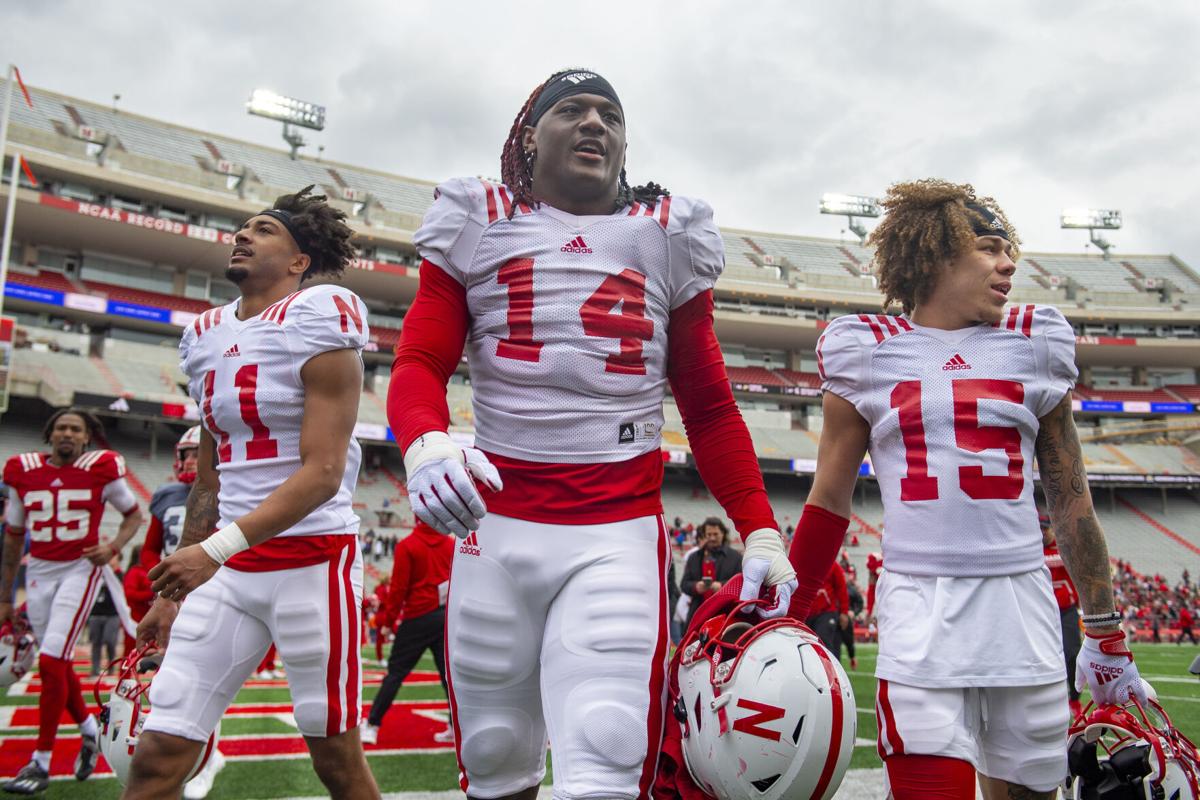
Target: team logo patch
(233,352)
(956,363)
(576,245)
(470,545)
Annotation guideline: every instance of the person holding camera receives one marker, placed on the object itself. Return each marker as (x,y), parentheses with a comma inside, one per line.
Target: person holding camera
(709,567)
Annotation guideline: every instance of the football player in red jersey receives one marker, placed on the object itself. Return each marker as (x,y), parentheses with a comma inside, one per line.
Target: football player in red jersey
(954,400)
(579,299)
(278,376)
(59,497)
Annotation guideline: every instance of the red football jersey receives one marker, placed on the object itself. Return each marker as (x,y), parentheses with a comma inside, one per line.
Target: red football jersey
(63,505)
(1064,588)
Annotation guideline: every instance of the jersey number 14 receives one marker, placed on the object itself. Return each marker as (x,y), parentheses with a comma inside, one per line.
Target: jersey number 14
(630,326)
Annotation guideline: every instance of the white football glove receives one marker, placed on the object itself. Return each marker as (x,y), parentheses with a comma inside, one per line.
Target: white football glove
(765,566)
(441,483)
(1106,667)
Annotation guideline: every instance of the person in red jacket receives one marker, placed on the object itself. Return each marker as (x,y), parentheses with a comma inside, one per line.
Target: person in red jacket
(138,593)
(416,595)
(1185,625)
(830,611)
(1067,598)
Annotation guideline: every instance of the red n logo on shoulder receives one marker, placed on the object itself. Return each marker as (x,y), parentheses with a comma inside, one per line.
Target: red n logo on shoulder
(761,712)
(348,311)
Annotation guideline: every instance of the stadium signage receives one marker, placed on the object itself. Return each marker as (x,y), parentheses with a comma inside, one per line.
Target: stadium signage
(758,388)
(199,232)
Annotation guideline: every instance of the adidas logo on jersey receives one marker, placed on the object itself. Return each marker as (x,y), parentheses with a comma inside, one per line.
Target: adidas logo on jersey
(576,245)
(233,352)
(57,482)
(470,545)
(956,363)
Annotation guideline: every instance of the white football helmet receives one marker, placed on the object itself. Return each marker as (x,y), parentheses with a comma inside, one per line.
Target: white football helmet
(122,717)
(189,441)
(1130,751)
(18,648)
(766,712)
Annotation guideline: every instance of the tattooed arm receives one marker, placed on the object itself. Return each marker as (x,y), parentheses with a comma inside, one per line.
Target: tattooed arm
(1080,540)
(200,520)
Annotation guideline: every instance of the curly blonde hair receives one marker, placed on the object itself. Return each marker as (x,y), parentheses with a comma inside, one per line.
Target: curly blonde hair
(926,225)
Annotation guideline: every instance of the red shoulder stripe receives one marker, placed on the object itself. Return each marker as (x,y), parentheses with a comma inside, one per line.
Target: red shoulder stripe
(504,198)
(875,329)
(820,358)
(491,202)
(635,208)
(1011,322)
(903,323)
(886,321)
(664,213)
(284,308)
(1027,323)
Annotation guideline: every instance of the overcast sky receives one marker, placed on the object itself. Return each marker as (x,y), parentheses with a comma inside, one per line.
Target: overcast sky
(758,107)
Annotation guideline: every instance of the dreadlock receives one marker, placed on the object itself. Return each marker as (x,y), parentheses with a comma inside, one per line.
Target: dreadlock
(516,166)
(95,427)
(324,230)
(927,225)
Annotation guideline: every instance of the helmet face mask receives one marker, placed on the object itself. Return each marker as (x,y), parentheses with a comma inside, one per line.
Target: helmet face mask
(122,717)
(764,710)
(1130,751)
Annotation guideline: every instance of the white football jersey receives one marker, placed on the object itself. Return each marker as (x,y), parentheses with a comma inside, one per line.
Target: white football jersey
(568,334)
(954,417)
(245,377)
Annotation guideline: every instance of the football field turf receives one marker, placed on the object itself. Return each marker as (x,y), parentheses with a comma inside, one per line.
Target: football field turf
(267,757)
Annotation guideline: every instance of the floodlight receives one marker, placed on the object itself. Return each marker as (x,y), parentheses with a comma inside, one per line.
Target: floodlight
(265,103)
(851,206)
(1092,219)
(1107,219)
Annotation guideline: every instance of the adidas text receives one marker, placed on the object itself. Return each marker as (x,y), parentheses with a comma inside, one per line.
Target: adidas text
(470,545)
(576,245)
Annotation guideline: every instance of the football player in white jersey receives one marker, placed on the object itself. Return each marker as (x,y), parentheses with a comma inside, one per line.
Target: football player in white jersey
(579,298)
(277,375)
(954,400)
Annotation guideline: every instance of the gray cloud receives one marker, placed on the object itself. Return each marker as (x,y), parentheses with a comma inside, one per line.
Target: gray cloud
(756,107)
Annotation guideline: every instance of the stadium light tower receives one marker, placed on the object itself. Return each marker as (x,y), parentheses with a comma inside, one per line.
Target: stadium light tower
(851,206)
(1093,219)
(289,111)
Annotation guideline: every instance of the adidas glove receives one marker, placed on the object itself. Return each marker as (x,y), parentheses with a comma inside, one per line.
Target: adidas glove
(1106,667)
(441,483)
(765,566)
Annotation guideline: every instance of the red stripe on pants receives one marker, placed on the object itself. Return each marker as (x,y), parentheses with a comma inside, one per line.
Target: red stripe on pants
(333,676)
(658,674)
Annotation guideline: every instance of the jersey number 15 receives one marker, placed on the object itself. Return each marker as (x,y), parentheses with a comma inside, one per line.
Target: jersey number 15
(969,435)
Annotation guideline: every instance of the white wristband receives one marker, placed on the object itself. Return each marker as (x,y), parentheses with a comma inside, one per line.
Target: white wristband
(225,543)
(429,446)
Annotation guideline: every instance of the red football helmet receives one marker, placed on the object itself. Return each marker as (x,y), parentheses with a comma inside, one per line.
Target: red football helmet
(122,717)
(189,441)
(1130,751)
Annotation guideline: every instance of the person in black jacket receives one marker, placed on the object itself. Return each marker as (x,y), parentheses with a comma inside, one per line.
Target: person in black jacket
(708,568)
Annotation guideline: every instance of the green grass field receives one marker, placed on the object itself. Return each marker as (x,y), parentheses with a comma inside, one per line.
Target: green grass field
(434,770)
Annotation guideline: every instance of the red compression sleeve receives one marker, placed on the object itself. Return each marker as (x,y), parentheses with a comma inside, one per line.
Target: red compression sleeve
(718,436)
(814,549)
(431,345)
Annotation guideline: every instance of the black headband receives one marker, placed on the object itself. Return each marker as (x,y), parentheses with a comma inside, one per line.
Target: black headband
(286,219)
(986,223)
(568,84)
